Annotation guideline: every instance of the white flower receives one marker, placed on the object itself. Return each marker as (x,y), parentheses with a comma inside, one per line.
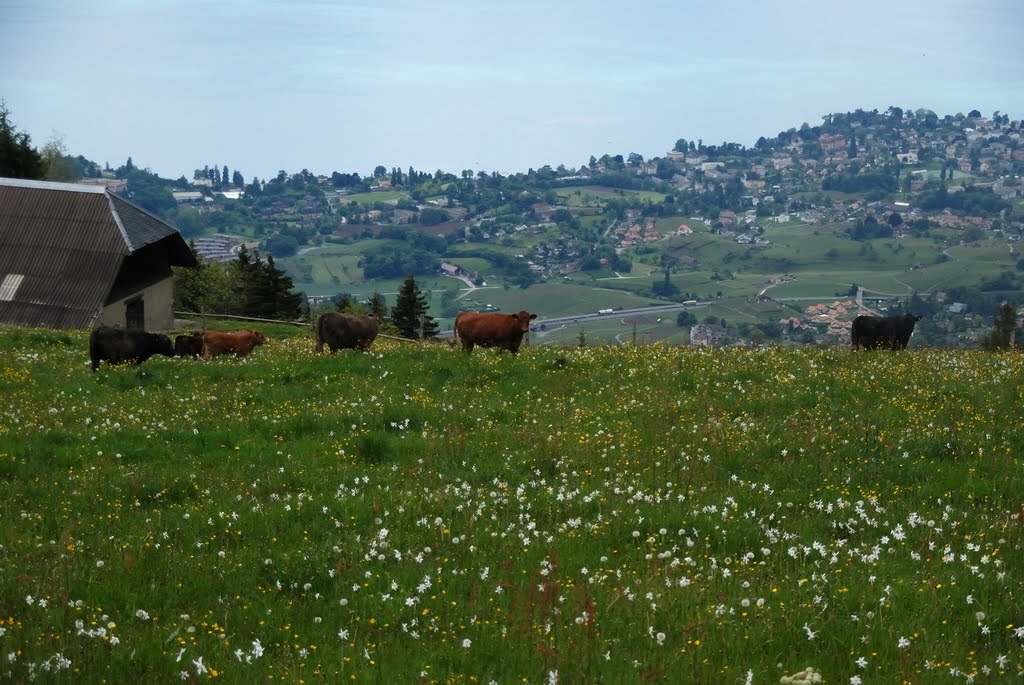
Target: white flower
(343,634)
(903,643)
(200,666)
(855,680)
(143,614)
(467,643)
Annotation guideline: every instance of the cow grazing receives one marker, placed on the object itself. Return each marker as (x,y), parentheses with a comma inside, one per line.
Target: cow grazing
(890,332)
(345,331)
(504,331)
(239,343)
(117,345)
(189,345)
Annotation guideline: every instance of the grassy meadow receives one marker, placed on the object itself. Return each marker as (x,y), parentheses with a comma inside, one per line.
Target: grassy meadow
(577,515)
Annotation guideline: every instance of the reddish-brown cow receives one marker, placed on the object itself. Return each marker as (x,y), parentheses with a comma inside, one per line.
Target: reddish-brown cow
(504,331)
(239,343)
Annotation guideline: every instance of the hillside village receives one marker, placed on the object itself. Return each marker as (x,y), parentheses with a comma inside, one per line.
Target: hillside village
(889,175)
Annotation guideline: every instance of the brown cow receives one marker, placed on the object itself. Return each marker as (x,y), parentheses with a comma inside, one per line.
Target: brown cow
(504,331)
(345,331)
(239,343)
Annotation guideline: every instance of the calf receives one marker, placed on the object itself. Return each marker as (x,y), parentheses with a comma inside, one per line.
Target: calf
(189,345)
(117,345)
(239,343)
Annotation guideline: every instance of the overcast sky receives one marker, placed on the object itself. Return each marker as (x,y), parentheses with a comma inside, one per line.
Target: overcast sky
(345,85)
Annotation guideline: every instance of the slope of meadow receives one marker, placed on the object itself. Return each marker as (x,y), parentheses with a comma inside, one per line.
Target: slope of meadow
(600,514)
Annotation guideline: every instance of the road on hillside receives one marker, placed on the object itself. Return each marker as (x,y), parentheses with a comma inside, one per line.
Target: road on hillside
(594,316)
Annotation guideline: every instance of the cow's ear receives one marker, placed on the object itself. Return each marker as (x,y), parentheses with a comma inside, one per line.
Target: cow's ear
(532,317)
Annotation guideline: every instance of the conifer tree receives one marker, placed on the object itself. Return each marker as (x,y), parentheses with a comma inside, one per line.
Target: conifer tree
(1004,328)
(18,159)
(284,304)
(410,312)
(378,307)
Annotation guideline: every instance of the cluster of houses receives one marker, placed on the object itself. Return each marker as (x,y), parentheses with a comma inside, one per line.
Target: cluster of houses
(837,317)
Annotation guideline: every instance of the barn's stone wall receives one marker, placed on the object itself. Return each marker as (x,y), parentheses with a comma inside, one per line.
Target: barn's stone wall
(157,303)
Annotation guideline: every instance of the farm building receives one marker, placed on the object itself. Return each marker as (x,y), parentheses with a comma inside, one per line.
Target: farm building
(76,256)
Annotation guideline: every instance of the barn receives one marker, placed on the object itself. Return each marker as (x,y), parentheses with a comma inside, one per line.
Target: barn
(76,256)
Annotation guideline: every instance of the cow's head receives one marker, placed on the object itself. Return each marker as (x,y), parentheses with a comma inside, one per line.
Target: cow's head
(163,345)
(523,319)
(258,338)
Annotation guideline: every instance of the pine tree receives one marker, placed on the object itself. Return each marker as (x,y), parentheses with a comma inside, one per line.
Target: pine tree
(285,304)
(378,307)
(410,312)
(251,291)
(344,303)
(1004,328)
(18,159)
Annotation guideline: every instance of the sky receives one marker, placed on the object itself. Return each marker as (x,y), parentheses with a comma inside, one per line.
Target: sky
(347,85)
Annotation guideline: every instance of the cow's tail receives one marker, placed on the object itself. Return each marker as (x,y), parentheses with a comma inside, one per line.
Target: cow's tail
(455,333)
(94,351)
(318,335)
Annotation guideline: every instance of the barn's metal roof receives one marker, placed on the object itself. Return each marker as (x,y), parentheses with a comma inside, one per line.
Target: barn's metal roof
(67,242)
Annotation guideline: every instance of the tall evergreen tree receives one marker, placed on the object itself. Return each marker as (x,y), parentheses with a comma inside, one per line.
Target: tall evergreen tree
(378,307)
(410,312)
(286,304)
(1004,329)
(18,159)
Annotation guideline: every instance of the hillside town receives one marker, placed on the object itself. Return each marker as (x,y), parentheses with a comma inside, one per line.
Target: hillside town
(862,175)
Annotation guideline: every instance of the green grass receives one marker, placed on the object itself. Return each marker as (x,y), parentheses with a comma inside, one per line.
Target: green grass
(369,199)
(416,514)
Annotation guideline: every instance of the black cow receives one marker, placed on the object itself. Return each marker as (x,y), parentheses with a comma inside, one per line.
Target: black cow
(189,345)
(118,345)
(890,332)
(345,331)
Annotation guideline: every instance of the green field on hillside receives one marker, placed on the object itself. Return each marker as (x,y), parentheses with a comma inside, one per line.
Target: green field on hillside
(369,199)
(595,514)
(596,196)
